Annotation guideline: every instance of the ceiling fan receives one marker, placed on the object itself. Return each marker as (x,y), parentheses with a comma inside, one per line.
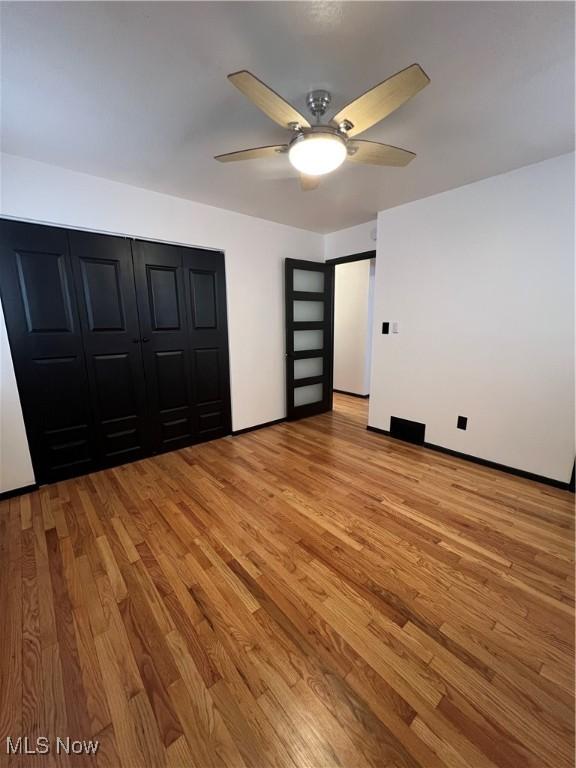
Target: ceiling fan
(319,148)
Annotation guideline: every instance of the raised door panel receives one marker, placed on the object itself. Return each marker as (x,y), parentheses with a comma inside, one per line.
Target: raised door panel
(102,294)
(208,378)
(163,298)
(44,291)
(204,297)
(171,379)
(107,298)
(165,348)
(37,289)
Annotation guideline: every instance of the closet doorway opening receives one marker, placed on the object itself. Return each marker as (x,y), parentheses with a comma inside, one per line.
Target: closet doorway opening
(353,320)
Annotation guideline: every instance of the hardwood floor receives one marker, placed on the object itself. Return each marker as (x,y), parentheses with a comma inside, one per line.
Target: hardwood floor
(307,595)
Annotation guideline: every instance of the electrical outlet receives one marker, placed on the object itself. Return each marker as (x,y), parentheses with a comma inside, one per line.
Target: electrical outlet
(385,327)
(462,422)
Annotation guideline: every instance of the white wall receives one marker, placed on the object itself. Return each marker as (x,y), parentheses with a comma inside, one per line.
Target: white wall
(481,281)
(255,250)
(346,242)
(15,465)
(352,327)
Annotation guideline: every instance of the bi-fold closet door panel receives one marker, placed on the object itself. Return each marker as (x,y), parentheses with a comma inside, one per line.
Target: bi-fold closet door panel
(106,294)
(41,311)
(205,286)
(165,347)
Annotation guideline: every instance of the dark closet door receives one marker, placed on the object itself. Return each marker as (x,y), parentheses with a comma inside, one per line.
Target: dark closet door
(45,338)
(205,284)
(107,302)
(161,293)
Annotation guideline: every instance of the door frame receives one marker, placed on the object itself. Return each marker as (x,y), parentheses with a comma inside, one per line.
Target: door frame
(363,256)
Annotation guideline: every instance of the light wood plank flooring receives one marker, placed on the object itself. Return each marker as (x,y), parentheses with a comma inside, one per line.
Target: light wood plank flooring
(303,596)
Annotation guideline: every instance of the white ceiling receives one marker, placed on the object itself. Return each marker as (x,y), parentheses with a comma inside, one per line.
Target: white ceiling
(137,92)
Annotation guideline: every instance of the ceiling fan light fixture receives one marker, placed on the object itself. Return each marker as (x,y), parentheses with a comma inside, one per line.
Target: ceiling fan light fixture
(319,148)
(317,154)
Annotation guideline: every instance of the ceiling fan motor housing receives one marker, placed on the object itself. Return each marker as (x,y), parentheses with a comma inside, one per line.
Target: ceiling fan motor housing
(318,102)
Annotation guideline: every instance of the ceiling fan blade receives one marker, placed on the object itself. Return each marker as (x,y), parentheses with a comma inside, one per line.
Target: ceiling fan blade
(252,154)
(382,100)
(307,183)
(374,153)
(267,100)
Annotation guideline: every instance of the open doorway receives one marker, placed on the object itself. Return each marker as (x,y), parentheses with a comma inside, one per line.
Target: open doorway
(353,308)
